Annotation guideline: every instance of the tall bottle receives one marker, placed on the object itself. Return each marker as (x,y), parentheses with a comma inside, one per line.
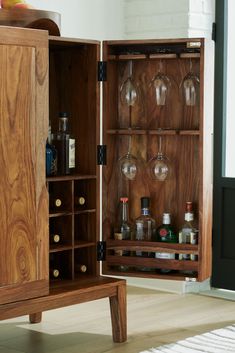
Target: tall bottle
(166,234)
(188,232)
(51,156)
(145,228)
(123,229)
(65,145)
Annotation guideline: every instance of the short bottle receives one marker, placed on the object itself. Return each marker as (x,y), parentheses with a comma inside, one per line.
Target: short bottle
(123,230)
(51,156)
(145,228)
(188,232)
(166,234)
(65,146)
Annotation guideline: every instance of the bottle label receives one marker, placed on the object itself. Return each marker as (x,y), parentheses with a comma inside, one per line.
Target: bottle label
(163,232)
(188,217)
(71,153)
(164,255)
(118,236)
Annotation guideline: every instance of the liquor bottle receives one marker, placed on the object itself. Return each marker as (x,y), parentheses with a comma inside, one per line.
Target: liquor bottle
(80,268)
(145,228)
(123,230)
(79,201)
(54,273)
(55,238)
(188,233)
(166,234)
(65,145)
(51,156)
(55,203)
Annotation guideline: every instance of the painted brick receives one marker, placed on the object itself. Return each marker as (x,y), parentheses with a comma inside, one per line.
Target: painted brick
(200,21)
(196,6)
(154,7)
(209,6)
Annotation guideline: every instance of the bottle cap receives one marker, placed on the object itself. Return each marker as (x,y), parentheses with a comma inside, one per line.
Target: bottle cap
(63,114)
(145,202)
(166,219)
(56,273)
(124,199)
(58,203)
(189,206)
(56,238)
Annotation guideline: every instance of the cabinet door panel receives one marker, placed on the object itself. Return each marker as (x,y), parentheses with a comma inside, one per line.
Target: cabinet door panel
(23,202)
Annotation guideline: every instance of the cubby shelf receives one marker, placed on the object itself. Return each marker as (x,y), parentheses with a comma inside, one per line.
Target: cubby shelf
(152,132)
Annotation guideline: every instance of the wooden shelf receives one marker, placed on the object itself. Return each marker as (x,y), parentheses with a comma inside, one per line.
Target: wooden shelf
(60,214)
(93,210)
(59,248)
(71,177)
(172,275)
(152,132)
(83,244)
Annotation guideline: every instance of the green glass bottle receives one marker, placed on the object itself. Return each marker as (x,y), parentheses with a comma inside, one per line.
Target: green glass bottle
(166,234)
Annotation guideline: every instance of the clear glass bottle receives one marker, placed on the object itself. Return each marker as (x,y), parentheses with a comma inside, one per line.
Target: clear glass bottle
(51,156)
(166,234)
(123,230)
(188,232)
(145,228)
(65,145)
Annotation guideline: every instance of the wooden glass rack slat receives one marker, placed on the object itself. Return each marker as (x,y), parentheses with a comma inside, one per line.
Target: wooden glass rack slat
(152,132)
(153,56)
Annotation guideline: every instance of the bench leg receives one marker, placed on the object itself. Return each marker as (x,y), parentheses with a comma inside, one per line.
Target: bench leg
(35,318)
(118,314)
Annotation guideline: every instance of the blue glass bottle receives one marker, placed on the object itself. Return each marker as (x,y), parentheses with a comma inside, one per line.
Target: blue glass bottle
(51,156)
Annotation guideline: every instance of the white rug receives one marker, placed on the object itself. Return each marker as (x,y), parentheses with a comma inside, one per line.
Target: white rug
(217,341)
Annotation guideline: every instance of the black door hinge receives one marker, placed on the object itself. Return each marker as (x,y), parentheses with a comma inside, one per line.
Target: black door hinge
(214,31)
(101,154)
(101,251)
(102,71)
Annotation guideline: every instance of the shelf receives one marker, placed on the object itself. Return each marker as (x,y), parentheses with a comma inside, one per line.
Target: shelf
(60,214)
(173,275)
(71,177)
(153,132)
(93,210)
(150,246)
(189,55)
(83,244)
(59,248)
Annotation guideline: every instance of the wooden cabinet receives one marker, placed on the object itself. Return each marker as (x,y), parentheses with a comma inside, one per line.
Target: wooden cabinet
(41,76)
(186,136)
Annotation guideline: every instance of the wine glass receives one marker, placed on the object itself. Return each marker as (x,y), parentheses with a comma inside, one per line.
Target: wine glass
(158,166)
(161,85)
(128,164)
(129,89)
(190,85)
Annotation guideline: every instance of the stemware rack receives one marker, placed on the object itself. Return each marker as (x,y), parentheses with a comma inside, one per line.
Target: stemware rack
(187,141)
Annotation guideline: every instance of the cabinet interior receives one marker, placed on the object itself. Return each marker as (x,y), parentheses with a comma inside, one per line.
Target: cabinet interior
(73,89)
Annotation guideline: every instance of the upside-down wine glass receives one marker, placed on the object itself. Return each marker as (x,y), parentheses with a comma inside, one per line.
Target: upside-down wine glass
(161,85)
(190,85)
(158,166)
(128,164)
(129,90)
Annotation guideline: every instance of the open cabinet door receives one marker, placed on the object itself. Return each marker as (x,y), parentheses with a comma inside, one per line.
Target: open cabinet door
(23,131)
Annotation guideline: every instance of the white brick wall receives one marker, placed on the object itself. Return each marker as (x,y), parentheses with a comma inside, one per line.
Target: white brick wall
(168,18)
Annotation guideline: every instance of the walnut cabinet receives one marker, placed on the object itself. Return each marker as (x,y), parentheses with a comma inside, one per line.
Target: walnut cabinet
(41,75)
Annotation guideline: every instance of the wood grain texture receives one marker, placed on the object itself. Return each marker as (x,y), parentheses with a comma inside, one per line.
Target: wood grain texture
(118,314)
(35,318)
(23,120)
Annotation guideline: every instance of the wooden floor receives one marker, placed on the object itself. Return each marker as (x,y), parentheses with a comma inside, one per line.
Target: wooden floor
(154,318)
